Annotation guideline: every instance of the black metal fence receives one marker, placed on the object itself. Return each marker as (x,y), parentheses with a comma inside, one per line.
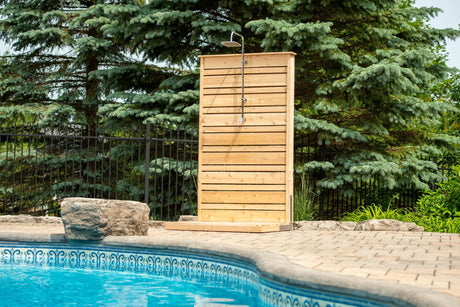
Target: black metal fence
(40,166)
(333,203)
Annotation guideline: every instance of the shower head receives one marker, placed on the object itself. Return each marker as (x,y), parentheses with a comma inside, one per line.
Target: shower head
(231,44)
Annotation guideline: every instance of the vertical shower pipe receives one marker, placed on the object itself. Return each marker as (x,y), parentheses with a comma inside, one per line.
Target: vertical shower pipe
(233,43)
(243,100)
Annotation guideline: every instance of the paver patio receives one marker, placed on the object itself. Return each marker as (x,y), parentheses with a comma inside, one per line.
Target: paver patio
(422,259)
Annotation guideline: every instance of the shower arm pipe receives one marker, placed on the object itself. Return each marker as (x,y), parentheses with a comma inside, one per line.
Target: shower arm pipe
(243,62)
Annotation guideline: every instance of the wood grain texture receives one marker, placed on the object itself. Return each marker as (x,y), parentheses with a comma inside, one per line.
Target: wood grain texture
(247,71)
(224,226)
(247,158)
(244,187)
(252,100)
(236,139)
(243,216)
(242,197)
(249,80)
(244,171)
(268,59)
(243,178)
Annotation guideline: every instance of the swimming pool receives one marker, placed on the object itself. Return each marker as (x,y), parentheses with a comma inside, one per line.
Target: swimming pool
(186,278)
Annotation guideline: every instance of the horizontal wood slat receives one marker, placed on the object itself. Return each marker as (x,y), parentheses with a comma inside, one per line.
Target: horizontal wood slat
(250,90)
(244,158)
(242,215)
(243,178)
(243,187)
(265,207)
(224,226)
(243,168)
(247,110)
(253,60)
(247,71)
(244,139)
(252,100)
(248,148)
(247,197)
(242,129)
(249,80)
(249,119)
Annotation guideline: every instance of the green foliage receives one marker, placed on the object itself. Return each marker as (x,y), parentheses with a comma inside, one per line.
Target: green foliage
(305,207)
(361,72)
(375,212)
(444,202)
(438,224)
(436,211)
(431,223)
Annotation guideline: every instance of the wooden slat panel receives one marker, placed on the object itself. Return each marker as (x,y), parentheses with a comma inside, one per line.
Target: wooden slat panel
(249,90)
(249,80)
(243,187)
(249,119)
(249,148)
(243,168)
(244,158)
(240,129)
(244,139)
(247,110)
(264,207)
(242,215)
(253,60)
(247,197)
(243,177)
(234,100)
(247,71)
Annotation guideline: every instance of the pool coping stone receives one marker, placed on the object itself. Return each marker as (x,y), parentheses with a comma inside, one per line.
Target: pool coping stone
(271,265)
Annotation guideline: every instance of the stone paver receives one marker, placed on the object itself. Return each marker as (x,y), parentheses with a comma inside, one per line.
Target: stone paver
(427,260)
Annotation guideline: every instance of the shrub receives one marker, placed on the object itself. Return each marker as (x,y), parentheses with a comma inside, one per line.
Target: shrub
(305,208)
(436,211)
(374,212)
(444,202)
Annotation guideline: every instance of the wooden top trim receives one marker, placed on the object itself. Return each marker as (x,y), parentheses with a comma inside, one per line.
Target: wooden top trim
(247,54)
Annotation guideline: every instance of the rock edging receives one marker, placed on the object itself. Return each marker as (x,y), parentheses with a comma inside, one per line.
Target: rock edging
(29,219)
(368,225)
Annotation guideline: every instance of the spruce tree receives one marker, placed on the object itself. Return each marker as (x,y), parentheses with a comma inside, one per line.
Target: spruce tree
(361,67)
(58,48)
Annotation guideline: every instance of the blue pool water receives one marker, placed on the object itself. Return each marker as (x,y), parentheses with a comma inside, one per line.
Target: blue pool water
(58,286)
(96,275)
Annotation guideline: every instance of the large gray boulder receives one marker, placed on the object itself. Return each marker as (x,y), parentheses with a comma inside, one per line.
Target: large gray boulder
(95,219)
(387,225)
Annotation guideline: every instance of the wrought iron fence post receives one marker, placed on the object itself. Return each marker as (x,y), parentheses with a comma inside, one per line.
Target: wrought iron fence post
(147,163)
(322,150)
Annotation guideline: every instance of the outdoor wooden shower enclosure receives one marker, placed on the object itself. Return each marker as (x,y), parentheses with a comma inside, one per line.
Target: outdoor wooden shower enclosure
(245,167)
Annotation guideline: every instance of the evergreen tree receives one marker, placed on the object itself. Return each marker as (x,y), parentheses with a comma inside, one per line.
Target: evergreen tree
(58,50)
(361,66)
(67,63)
